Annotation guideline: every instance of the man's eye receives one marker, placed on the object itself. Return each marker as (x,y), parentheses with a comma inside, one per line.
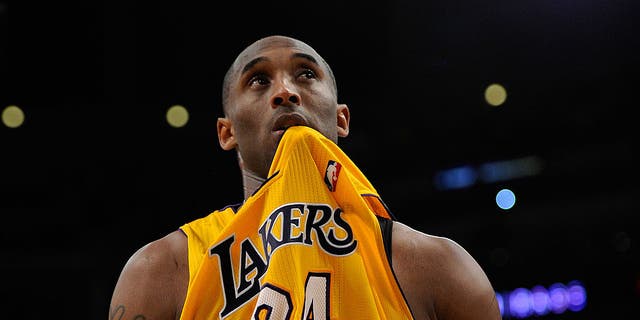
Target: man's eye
(258,80)
(308,73)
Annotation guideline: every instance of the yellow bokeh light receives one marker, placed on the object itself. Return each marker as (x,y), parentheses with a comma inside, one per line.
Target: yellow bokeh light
(177,116)
(12,116)
(495,94)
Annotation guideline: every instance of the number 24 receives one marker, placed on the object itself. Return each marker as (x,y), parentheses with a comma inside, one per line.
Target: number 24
(275,303)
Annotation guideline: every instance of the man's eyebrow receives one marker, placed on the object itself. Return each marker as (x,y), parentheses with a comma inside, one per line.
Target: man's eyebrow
(257,60)
(305,56)
(253,63)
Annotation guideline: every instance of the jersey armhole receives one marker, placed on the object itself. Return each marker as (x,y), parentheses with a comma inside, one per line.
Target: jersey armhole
(386,227)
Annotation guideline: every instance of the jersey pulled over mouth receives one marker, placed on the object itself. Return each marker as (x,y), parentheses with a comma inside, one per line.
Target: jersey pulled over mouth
(288,120)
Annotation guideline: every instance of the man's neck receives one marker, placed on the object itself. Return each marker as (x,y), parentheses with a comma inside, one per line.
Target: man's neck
(250,183)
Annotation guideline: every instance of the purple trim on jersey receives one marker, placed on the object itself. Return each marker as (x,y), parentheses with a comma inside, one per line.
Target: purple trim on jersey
(233,207)
(265,182)
(393,217)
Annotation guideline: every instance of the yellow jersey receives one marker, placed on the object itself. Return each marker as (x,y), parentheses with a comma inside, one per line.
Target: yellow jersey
(306,245)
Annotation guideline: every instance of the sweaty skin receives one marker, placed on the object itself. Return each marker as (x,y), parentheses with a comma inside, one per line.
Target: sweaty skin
(275,83)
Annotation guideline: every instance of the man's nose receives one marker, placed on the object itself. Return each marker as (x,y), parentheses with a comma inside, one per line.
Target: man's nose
(284,95)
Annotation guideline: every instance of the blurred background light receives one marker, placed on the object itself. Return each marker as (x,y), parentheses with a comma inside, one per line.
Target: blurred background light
(538,301)
(12,116)
(559,298)
(490,172)
(505,199)
(177,116)
(456,178)
(495,94)
(510,169)
(500,300)
(520,303)
(577,296)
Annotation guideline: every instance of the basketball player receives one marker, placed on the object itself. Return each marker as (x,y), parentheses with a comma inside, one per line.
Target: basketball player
(312,238)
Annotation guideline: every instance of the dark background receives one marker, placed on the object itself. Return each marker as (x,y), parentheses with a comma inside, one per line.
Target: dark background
(95,172)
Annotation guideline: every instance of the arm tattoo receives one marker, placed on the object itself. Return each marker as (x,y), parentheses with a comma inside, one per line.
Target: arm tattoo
(118,314)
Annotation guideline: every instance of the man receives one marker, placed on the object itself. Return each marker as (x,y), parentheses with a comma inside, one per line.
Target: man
(312,238)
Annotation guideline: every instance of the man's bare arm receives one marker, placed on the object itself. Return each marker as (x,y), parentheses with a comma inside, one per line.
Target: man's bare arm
(465,290)
(440,279)
(153,282)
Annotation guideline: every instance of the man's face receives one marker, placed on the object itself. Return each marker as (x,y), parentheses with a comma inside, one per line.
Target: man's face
(277,83)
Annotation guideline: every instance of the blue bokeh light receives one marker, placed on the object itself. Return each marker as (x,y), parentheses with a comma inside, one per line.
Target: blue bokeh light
(500,303)
(577,296)
(505,199)
(539,301)
(520,303)
(456,178)
(559,297)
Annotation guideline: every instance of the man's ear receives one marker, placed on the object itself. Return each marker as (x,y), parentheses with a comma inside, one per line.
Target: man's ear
(343,120)
(226,136)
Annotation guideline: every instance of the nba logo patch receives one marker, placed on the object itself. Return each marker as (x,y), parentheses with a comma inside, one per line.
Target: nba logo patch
(331,175)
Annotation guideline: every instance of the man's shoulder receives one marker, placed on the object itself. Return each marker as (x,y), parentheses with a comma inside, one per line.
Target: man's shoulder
(443,258)
(414,242)
(160,254)
(153,280)
(439,272)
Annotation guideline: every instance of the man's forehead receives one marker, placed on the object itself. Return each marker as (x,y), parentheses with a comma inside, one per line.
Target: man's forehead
(261,47)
